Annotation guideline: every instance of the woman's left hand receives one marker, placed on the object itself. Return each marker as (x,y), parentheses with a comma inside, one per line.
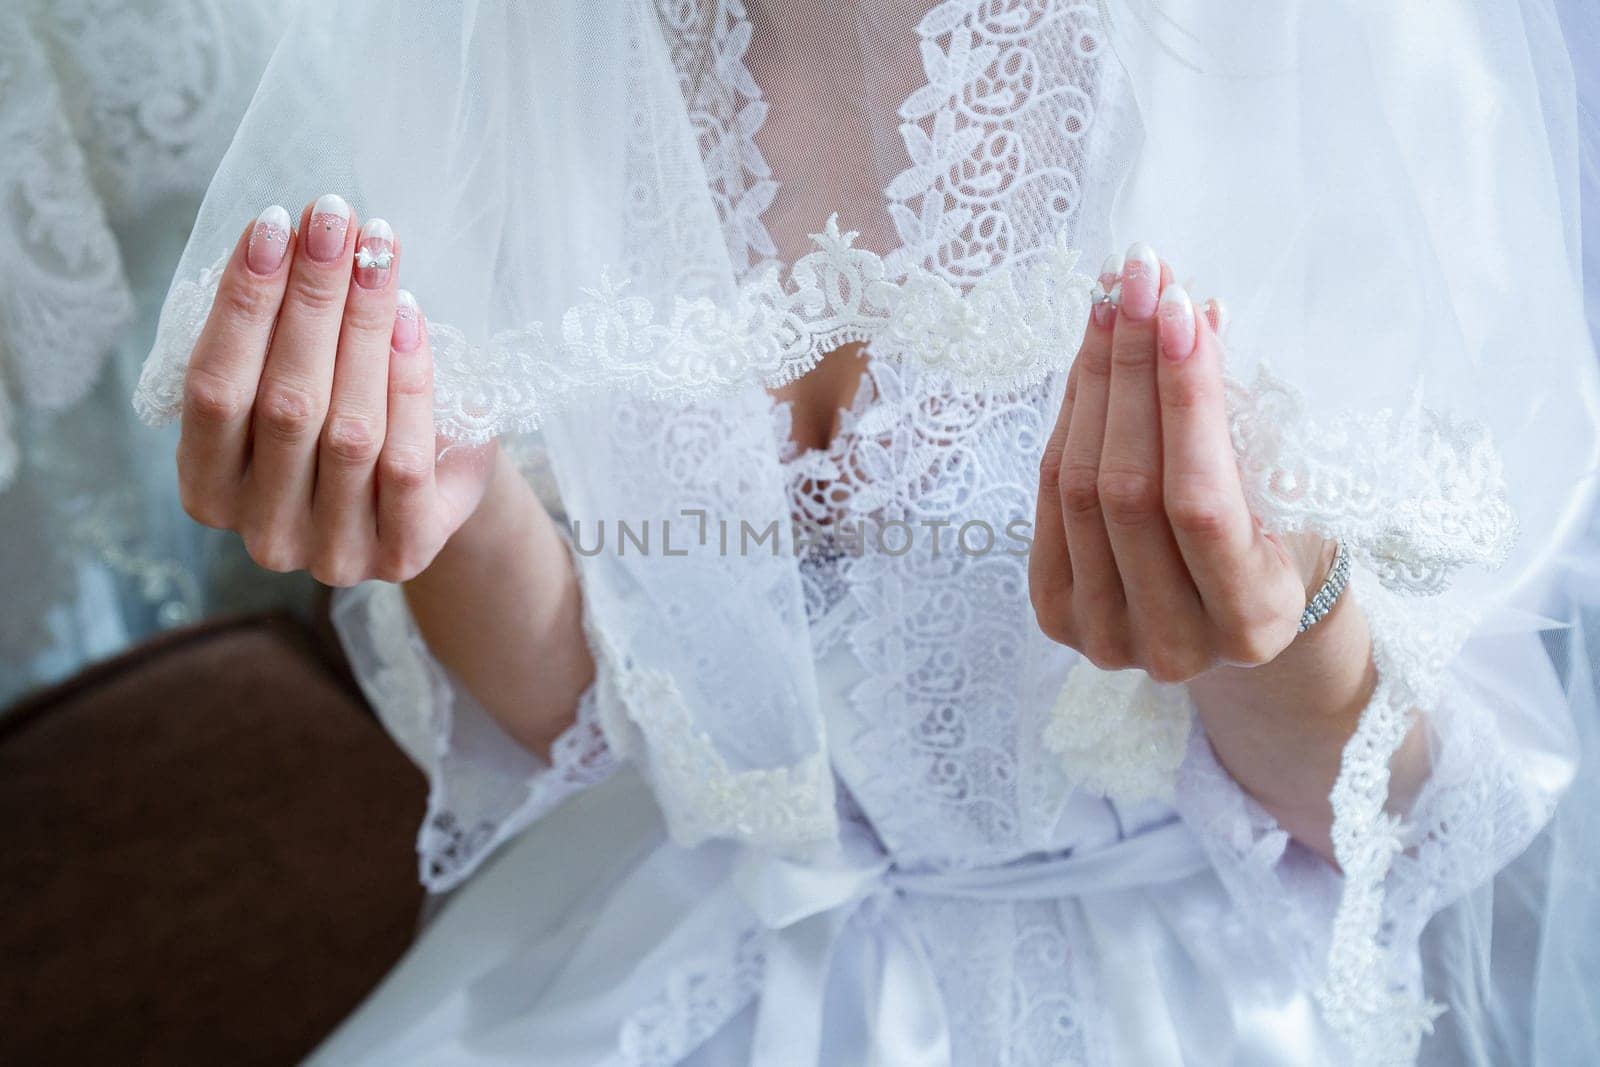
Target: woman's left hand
(1145,553)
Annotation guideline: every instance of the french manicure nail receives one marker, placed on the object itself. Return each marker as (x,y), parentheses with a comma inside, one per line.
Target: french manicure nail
(1141,282)
(374,254)
(407,322)
(330,217)
(1175,323)
(269,239)
(1111,270)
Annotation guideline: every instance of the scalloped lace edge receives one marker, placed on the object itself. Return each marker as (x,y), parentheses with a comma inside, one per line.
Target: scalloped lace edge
(1007,331)
(1380,1022)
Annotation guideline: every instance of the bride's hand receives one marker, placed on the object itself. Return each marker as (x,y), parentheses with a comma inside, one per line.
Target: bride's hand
(1145,553)
(308,407)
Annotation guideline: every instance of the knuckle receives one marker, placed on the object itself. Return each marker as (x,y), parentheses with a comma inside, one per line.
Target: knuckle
(370,318)
(318,294)
(1094,361)
(352,440)
(1129,498)
(211,400)
(1132,353)
(204,508)
(337,571)
(287,412)
(1106,650)
(405,467)
(1196,510)
(399,562)
(272,551)
(1080,488)
(410,378)
(1050,465)
(1189,392)
(1054,622)
(245,301)
(1172,665)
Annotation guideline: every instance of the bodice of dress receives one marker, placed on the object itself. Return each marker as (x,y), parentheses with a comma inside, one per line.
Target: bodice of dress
(929,661)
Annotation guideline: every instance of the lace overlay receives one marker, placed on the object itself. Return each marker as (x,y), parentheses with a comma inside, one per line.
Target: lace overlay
(997,137)
(109,108)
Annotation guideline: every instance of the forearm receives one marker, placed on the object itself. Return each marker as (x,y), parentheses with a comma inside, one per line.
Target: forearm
(1280,729)
(500,606)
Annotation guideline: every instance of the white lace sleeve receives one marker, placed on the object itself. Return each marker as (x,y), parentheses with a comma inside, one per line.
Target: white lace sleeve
(1492,784)
(483,786)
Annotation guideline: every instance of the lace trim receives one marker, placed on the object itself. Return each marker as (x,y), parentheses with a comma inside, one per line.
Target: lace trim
(1414,495)
(644,718)
(1007,332)
(473,806)
(1381,1022)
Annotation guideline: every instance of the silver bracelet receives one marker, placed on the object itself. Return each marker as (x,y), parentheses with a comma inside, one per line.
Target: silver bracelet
(1323,600)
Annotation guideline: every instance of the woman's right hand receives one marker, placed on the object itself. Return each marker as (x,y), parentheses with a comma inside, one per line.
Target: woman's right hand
(308,407)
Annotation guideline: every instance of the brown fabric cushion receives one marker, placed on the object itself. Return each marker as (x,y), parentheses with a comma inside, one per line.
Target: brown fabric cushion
(208,848)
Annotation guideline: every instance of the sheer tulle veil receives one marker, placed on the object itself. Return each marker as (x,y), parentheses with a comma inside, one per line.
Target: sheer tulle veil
(629,210)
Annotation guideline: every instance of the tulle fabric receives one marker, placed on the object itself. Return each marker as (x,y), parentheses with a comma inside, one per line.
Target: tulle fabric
(604,210)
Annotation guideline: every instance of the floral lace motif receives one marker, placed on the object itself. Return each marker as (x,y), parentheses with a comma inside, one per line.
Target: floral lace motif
(998,136)
(1007,332)
(1414,495)
(726,111)
(109,108)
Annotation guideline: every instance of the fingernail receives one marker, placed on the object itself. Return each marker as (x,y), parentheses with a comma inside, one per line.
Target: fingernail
(1141,282)
(1217,316)
(374,254)
(1101,308)
(1175,323)
(269,239)
(407,322)
(330,216)
(1111,271)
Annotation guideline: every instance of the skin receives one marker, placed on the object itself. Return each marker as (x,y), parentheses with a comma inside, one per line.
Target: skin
(307,428)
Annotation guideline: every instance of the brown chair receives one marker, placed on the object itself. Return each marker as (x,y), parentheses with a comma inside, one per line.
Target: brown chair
(208,853)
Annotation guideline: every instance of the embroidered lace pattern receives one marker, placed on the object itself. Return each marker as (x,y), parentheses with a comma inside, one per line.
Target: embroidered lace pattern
(1009,330)
(1415,495)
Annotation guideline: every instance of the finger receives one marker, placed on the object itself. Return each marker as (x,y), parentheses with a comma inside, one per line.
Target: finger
(345,497)
(1049,566)
(407,511)
(1221,546)
(224,371)
(1098,608)
(295,387)
(1165,616)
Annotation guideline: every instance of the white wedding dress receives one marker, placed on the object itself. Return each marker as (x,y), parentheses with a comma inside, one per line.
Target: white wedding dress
(1167,933)
(874,826)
